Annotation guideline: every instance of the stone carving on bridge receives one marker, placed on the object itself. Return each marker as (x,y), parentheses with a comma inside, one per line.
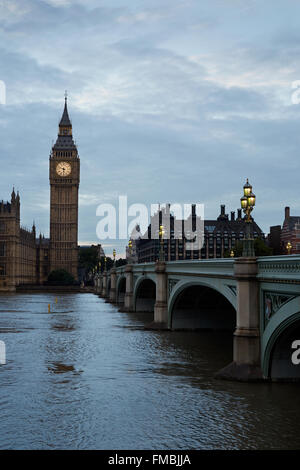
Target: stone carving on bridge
(172,284)
(273,302)
(233,289)
(271,267)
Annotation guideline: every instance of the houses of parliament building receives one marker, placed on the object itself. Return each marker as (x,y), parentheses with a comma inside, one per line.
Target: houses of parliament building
(26,258)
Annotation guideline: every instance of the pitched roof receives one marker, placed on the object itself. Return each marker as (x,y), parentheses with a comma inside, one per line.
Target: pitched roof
(65,120)
(64,142)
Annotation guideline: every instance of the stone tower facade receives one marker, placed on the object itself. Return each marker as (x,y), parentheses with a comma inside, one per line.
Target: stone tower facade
(17,247)
(64,174)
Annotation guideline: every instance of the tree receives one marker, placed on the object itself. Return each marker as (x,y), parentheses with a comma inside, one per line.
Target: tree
(110,263)
(261,248)
(60,277)
(88,257)
(121,262)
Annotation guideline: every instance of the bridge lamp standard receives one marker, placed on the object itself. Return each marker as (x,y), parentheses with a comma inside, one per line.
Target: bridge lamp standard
(114,255)
(161,243)
(289,246)
(105,263)
(130,249)
(247,204)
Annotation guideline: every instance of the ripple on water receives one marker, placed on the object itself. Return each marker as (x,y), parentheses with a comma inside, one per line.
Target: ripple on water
(88,377)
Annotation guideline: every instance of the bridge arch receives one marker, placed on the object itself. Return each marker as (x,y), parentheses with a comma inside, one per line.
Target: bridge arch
(282,329)
(144,294)
(198,304)
(120,290)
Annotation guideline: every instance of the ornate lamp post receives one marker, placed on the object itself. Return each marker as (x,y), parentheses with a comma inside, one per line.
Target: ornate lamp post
(130,249)
(161,243)
(105,263)
(231,253)
(114,255)
(247,204)
(289,246)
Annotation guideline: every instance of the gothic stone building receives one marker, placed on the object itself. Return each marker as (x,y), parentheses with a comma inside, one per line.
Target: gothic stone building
(64,185)
(220,236)
(25,259)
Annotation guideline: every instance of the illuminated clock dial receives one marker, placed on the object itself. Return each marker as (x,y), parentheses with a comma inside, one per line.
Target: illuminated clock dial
(63,169)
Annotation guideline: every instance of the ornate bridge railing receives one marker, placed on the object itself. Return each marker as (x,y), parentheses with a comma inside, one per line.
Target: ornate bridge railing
(279,268)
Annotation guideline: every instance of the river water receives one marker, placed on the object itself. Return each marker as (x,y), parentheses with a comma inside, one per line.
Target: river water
(89,377)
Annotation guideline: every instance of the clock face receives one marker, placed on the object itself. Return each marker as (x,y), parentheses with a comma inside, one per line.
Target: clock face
(63,169)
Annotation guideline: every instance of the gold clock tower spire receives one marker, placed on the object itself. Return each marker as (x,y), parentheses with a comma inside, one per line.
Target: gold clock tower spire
(64,174)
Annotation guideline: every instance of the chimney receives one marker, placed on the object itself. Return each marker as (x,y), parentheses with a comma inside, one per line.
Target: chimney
(232,216)
(239,213)
(222,209)
(287,213)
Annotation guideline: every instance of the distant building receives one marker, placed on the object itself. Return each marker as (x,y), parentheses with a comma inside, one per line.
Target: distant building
(274,239)
(279,236)
(220,236)
(290,232)
(23,258)
(132,253)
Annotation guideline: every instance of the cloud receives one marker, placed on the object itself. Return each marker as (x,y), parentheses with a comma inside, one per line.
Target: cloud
(170,101)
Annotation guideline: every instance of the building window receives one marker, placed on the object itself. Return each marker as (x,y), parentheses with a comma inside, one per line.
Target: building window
(2,270)
(2,249)
(2,226)
(298,246)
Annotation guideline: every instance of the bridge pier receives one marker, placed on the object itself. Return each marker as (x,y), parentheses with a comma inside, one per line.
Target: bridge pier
(128,301)
(246,342)
(98,282)
(161,303)
(104,284)
(113,282)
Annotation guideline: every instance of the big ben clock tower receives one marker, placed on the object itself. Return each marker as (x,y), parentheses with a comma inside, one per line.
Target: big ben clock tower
(64,174)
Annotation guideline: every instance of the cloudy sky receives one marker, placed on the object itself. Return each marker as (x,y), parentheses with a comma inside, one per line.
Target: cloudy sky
(171,101)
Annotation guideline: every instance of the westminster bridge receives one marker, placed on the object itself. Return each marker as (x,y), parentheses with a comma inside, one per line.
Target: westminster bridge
(258,299)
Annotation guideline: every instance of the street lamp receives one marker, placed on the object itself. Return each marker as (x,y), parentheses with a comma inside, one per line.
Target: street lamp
(161,244)
(130,249)
(289,246)
(231,253)
(114,255)
(105,263)
(247,204)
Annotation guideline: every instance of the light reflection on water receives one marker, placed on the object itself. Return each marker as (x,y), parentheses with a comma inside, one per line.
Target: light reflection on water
(87,376)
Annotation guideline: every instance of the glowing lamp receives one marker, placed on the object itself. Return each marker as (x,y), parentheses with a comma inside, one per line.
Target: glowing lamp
(247,189)
(244,202)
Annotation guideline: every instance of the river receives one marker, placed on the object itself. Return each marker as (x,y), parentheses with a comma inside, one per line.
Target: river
(87,376)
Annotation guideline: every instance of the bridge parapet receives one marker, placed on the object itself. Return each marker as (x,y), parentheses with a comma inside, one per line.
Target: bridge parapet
(215,267)
(142,268)
(279,268)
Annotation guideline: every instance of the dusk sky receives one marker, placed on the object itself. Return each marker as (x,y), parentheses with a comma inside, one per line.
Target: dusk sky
(170,100)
